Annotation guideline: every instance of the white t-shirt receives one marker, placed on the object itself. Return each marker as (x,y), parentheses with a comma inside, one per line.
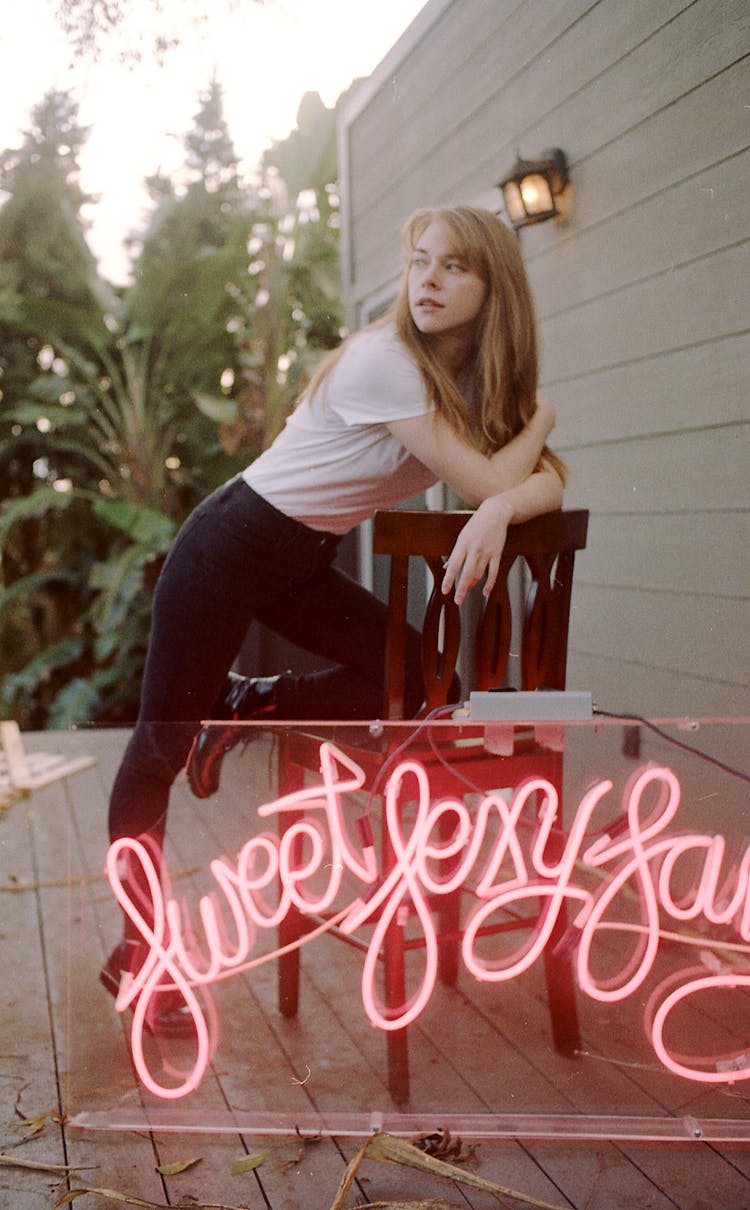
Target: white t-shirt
(335,461)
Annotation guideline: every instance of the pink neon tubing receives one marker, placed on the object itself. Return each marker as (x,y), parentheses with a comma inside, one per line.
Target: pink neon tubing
(643,856)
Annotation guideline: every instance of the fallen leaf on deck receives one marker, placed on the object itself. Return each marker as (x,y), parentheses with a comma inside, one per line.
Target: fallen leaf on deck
(110,1194)
(430,1204)
(35,1125)
(178,1166)
(347,1179)
(444,1146)
(392,1150)
(10,1161)
(113,1195)
(247,1164)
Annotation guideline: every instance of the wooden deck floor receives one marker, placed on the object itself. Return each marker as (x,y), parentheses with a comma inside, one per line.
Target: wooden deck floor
(62,1053)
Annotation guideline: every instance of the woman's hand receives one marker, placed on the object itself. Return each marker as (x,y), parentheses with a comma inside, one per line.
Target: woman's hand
(479,548)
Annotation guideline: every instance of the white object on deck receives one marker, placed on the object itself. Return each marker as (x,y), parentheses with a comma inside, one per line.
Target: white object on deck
(30,771)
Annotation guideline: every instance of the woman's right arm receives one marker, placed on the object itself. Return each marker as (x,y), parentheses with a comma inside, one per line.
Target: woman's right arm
(473,475)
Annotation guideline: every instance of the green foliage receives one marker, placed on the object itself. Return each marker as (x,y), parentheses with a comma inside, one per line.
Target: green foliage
(120,409)
(293,300)
(95,636)
(150,530)
(182,310)
(41,667)
(31,507)
(37,581)
(78,700)
(217,408)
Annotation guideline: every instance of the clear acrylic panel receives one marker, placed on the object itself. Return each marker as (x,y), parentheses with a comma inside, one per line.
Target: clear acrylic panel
(530,930)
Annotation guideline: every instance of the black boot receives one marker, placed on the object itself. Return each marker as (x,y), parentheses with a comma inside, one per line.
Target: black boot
(243,698)
(167,1016)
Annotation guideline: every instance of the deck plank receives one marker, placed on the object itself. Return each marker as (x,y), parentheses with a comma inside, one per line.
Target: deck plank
(28,1083)
(85,1045)
(62,1043)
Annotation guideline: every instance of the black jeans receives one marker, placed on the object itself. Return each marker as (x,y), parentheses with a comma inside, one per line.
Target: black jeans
(238,558)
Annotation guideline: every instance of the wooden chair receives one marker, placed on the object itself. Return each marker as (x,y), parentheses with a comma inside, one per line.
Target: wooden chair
(546,546)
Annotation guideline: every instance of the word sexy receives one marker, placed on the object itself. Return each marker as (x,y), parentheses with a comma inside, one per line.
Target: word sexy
(257,889)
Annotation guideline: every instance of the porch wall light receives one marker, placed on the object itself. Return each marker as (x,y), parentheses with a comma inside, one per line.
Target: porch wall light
(531,189)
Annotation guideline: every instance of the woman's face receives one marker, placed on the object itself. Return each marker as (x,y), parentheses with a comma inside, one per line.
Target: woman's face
(445,295)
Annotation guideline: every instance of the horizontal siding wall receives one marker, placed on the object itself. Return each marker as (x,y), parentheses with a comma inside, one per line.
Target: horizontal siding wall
(642,296)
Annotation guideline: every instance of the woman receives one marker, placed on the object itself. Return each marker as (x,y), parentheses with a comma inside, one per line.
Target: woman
(444,388)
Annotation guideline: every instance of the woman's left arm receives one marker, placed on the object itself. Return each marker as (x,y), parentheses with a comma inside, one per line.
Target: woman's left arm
(480,544)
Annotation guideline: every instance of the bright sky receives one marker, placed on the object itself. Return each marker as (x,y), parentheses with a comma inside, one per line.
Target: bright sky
(265,57)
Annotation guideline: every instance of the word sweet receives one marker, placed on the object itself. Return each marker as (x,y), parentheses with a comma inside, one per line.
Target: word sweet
(510,849)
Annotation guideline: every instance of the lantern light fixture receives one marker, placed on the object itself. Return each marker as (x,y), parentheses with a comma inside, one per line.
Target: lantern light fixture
(532,189)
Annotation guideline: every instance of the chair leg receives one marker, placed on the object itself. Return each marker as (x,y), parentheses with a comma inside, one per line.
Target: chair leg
(449,916)
(394,964)
(398,1066)
(290,930)
(292,927)
(397,1043)
(558,969)
(561,994)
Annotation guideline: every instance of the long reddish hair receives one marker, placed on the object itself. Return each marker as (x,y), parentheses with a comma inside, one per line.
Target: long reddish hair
(504,360)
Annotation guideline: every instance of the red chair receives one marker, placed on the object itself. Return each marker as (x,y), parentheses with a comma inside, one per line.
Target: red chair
(546,548)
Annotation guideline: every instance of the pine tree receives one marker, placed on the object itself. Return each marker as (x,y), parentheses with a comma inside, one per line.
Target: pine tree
(189,273)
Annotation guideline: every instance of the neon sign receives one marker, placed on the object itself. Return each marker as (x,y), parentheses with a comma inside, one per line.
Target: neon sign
(268,877)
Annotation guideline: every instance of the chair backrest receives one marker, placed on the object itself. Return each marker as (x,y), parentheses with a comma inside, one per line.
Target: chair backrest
(547,545)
